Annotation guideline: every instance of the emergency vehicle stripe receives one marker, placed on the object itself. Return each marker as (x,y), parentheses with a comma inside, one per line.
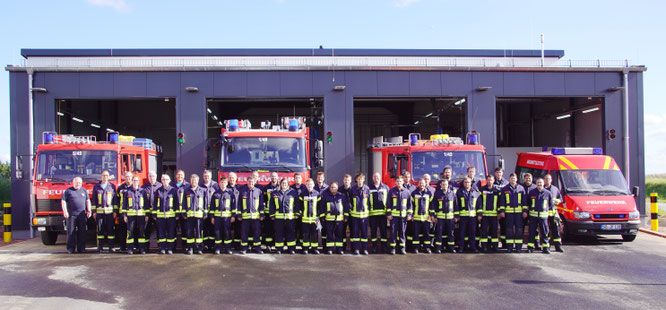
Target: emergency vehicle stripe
(607,163)
(568,162)
(562,167)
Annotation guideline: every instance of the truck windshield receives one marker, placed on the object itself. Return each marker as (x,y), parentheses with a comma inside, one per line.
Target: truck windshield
(433,163)
(594,182)
(64,165)
(264,153)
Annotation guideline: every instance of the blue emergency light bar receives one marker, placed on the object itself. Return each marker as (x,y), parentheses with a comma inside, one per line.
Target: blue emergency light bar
(113,137)
(233,124)
(47,138)
(576,150)
(293,124)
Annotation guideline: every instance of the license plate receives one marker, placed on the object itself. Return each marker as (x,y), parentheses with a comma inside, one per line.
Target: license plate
(611,227)
(41,228)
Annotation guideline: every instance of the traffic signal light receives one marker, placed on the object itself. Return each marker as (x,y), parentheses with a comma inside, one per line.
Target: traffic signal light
(181,138)
(329,137)
(611,134)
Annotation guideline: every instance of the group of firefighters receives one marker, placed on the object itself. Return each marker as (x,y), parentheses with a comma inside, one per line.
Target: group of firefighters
(215,216)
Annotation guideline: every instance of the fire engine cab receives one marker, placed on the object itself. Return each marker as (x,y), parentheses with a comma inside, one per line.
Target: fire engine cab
(282,148)
(60,158)
(596,200)
(392,157)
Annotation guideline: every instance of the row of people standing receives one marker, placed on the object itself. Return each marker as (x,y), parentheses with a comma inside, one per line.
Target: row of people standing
(278,214)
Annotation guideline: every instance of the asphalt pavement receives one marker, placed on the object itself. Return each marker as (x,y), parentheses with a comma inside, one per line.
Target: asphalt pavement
(603,274)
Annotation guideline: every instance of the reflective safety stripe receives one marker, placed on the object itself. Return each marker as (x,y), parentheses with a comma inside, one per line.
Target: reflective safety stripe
(253,215)
(289,215)
(227,208)
(364,213)
(334,218)
(309,215)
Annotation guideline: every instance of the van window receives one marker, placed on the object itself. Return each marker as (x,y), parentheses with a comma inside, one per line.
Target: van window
(536,173)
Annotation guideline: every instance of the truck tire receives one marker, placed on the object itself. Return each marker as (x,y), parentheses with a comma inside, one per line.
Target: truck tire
(628,238)
(49,237)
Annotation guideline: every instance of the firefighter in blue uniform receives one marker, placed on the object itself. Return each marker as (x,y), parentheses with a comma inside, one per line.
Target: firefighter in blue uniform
(554,220)
(282,210)
(135,216)
(528,184)
(165,208)
(308,210)
(222,214)
(499,183)
(104,209)
(250,214)
(443,204)
(210,187)
(410,225)
(321,187)
(121,225)
(513,208)
(345,189)
(149,189)
(335,209)
(398,212)
(180,185)
(487,207)
(466,214)
(268,235)
(234,190)
(421,217)
(195,213)
(299,187)
(378,226)
(359,215)
(541,204)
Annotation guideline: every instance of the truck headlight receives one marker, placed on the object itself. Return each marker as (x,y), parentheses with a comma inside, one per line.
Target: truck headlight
(634,215)
(581,215)
(39,221)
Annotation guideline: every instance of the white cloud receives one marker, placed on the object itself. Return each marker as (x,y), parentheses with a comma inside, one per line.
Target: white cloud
(404,3)
(5,157)
(118,5)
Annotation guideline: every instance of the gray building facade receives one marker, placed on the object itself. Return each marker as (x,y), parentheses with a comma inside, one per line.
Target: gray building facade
(488,80)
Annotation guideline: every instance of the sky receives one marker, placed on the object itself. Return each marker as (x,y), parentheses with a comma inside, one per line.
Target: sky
(585,30)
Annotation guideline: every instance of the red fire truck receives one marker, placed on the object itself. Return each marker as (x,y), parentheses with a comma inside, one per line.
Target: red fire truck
(283,148)
(391,157)
(60,158)
(597,200)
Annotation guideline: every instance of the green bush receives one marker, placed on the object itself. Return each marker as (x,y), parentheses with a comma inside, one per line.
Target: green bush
(655,185)
(5,183)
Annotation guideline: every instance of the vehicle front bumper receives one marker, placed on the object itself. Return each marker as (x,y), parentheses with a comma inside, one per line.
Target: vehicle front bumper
(592,228)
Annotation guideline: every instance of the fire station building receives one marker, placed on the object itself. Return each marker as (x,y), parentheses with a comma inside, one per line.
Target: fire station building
(516,100)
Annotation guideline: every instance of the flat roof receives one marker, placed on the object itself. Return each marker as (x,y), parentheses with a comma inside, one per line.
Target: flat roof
(49,52)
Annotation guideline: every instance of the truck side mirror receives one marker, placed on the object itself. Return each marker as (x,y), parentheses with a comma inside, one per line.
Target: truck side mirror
(137,164)
(19,167)
(319,149)
(392,166)
(635,191)
(500,163)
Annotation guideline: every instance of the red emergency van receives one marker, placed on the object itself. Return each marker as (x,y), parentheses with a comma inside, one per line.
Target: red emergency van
(597,200)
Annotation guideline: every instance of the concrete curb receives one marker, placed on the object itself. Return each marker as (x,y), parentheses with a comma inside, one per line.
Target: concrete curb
(654,233)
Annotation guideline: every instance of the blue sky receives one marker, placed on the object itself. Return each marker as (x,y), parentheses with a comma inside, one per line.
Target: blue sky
(586,30)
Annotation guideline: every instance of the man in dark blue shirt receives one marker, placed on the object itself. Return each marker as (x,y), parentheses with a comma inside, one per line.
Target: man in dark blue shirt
(76,209)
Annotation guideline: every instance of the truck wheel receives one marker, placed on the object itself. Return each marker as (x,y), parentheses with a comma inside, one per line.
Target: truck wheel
(49,237)
(628,238)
